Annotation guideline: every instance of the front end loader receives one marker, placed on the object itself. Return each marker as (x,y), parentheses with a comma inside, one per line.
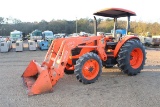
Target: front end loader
(85,56)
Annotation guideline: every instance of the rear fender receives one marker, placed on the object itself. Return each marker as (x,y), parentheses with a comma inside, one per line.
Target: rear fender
(121,42)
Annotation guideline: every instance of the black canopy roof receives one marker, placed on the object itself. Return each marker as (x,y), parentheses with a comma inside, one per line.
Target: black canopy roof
(115,12)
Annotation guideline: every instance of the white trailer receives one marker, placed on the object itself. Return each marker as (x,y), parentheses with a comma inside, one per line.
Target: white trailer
(31,45)
(19,46)
(5,46)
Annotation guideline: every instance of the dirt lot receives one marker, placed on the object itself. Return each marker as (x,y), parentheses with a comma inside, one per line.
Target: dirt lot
(113,89)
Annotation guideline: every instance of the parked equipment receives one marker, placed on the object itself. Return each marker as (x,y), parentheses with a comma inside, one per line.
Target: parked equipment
(16,35)
(9,44)
(152,41)
(49,42)
(5,46)
(19,46)
(142,39)
(36,35)
(48,35)
(43,45)
(31,45)
(155,41)
(85,56)
(38,41)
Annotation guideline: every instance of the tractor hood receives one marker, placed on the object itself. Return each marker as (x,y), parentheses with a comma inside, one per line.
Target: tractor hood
(115,12)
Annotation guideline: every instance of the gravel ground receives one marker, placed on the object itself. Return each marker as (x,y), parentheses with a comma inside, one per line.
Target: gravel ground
(113,89)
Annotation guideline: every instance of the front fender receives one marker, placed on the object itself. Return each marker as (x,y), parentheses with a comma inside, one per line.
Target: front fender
(122,41)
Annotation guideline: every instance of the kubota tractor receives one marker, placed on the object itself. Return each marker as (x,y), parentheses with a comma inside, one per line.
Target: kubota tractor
(85,56)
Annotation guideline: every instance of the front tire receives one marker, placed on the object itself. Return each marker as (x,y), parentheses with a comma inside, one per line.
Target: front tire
(131,57)
(88,68)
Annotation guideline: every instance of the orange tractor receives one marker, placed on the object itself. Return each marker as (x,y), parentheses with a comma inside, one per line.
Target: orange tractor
(85,56)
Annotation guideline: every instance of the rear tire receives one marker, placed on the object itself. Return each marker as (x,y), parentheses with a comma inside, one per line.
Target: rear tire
(88,68)
(131,57)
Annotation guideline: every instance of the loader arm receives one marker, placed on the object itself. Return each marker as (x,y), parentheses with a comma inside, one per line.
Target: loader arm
(41,78)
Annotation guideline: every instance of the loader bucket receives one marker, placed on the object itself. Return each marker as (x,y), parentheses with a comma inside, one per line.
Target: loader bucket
(37,79)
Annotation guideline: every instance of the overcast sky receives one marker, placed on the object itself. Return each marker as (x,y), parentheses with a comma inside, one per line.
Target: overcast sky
(36,10)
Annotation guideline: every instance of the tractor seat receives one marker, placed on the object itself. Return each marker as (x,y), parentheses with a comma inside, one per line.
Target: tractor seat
(111,45)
